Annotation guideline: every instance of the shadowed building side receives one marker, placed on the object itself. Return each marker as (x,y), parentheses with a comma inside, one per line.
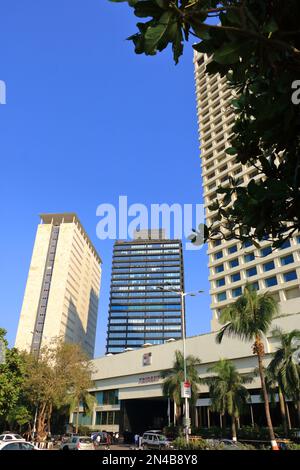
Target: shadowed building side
(62,291)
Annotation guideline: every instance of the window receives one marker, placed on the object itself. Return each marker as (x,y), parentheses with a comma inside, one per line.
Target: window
(251,272)
(268,266)
(14,446)
(233,263)
(249,257)
(290,276)
(232,249)
(247,243)
(236,292)
(286,260)
(220,282)
(218,255)
(217,242)
(107,417)
(219,268)
(266,251)
(236,277)
(285,244)
(271,281)
(298,239)
(221,296)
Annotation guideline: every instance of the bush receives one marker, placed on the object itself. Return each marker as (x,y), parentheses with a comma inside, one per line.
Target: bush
(172,432)
(293,446)
(199,444)
(84,430)
(212,432)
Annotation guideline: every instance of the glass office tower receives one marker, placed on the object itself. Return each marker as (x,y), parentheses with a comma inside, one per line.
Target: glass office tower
(139,312)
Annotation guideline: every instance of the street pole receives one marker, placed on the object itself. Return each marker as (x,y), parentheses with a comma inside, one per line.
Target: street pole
(186,400)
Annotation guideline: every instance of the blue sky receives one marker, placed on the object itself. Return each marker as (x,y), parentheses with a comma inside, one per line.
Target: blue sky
(87,120)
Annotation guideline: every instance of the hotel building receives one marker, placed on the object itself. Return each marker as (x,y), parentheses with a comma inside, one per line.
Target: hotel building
(63,284)
(128,388)
(139,312)
(232,265)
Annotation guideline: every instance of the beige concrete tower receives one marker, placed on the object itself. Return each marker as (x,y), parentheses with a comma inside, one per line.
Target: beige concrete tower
(63,285)
(231,265)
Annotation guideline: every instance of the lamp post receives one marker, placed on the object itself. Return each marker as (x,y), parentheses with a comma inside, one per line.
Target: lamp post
(182,296)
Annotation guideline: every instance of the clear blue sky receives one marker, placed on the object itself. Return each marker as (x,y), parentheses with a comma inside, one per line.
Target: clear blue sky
(87,120)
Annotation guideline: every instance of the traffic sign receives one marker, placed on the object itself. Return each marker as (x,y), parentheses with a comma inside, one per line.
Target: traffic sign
(186,391)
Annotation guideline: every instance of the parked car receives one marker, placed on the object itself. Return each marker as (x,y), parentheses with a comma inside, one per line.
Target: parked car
(17,445)
(78,443)
(154,439)
(10,436)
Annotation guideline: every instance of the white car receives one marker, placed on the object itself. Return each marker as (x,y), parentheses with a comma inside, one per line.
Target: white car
(17,445)
(154,439)
(78,443)
(9,436)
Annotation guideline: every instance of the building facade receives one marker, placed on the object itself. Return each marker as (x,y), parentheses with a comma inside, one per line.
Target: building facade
(139,312)
(63,285)
(128,388)
(232,265)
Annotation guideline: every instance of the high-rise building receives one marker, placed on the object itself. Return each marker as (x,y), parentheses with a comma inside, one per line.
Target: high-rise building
(231,265)
(139,312)
(63,284)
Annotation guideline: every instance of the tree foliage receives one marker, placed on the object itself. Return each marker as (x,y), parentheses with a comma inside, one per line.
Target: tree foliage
(54,379)
(285,366)
(11,379)
(249,318)
(173,379)
(227,390)
(256,46)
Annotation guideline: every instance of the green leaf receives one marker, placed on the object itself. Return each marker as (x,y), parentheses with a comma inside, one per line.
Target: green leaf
(228,53)
(206,47)
(177,43)
(233,17)
(202,31)
(271,26)
(157,37)
(163,4)
(231,151)
(143,9)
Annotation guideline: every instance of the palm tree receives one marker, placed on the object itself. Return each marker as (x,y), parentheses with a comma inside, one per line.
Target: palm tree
(173,379)
(82,398)
(249,318)
(273,386)
(227,392)
(285,366)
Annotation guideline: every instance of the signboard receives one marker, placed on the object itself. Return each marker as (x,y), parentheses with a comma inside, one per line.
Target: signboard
(149,379)
(186,391)
(147,359)
(2,352)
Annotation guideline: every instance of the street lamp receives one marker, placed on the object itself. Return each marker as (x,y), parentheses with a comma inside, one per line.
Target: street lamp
(183,295)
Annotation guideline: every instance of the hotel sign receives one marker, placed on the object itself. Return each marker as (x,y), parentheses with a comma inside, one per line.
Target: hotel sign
(149,379)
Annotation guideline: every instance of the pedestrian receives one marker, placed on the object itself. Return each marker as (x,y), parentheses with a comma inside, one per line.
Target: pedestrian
(117,437)
(140,442)
(108,441)
(136,440)
(98,440)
